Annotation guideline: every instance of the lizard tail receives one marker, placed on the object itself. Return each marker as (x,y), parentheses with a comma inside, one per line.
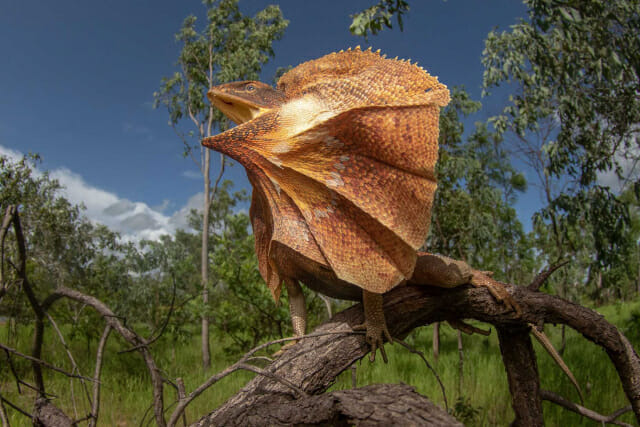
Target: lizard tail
(544,341)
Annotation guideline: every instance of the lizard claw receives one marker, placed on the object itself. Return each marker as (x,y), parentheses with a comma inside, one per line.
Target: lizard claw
(374,324)
(375,338)
(481,280)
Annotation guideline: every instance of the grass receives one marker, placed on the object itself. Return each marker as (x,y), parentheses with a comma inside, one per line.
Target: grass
(481,397)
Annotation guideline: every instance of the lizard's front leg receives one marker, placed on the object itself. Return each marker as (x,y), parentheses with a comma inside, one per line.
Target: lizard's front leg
(374,324)
(297,307)
(297,311)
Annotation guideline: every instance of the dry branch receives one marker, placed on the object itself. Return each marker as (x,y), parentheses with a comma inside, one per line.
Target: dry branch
(130,336)
(95,405)
(585,412)
(42,362)
(47,414)
(313,365)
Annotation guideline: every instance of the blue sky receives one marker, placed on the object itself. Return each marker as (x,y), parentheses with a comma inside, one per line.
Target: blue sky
(77,82)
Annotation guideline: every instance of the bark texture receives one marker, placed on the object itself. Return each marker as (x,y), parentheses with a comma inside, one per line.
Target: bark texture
(47,414)
(313,364)
(381,404)
(522,373)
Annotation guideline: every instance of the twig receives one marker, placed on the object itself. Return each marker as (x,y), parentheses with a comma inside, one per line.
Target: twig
(3,414)
(260,358)
(3,234)
(585,412)
(36,348)
(71,358)
(240,364)
(162,328)
(126,333)
(95,406)
(19,381)
(42,362)
(182,393)
(17,408)
(544,275)
(274,377)
(13,371)
(431,368)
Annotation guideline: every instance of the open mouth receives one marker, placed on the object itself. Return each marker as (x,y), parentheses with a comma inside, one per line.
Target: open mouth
(236,109)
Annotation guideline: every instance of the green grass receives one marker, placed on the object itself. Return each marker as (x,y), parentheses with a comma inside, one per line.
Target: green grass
(126,390)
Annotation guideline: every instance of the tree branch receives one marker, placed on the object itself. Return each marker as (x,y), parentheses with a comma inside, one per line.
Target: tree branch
(95,407)
(544,275)
(43,363)
(585,412)
(313,365)
(130,336)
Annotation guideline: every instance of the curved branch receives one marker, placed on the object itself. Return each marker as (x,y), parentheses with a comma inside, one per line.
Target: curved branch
(312,365)
(134,339)
(95,406)
(585,412)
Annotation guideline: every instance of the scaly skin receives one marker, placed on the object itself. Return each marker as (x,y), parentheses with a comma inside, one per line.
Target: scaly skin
(342,162)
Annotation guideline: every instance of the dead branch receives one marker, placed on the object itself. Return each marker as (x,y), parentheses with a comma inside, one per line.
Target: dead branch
(544,275)
(426,362)
(379,404)
(43,363)
(242,364)
(46,414)
(3,414)
(313,365)
(585,412)
(130,336)
(95,406)
(70,356)
(21,270)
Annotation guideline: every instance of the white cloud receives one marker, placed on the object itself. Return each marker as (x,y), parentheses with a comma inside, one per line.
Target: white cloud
(191,174)
(629,162)
(133,220)
(12,154)
(179,218)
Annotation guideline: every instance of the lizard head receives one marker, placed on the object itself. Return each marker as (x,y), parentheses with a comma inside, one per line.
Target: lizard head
(246,100)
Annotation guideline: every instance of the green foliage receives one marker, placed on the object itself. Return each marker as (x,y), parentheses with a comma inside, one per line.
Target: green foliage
(574,68)
(231,46)
(473,218)
(62,246)
(464,411)
(375,18)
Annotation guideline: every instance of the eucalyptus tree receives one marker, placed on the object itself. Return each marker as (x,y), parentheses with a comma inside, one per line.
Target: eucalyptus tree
(473,216)
(574,69)
(230,46)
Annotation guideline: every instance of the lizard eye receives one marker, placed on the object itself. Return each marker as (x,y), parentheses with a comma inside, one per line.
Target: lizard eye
(250,88)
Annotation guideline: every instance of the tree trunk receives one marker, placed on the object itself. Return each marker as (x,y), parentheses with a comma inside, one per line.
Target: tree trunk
(522,372)
(206,356)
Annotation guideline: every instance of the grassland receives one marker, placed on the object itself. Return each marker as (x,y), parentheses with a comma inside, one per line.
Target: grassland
(481,394)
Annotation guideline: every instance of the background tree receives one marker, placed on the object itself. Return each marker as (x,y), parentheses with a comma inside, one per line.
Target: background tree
(574,67)
(231,46)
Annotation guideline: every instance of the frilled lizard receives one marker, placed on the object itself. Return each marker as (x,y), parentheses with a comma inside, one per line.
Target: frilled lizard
(341,157)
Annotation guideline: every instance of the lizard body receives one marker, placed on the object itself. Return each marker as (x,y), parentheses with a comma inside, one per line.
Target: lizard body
(342,159)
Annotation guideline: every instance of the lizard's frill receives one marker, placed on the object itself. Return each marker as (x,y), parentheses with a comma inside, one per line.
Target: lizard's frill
(343,172)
